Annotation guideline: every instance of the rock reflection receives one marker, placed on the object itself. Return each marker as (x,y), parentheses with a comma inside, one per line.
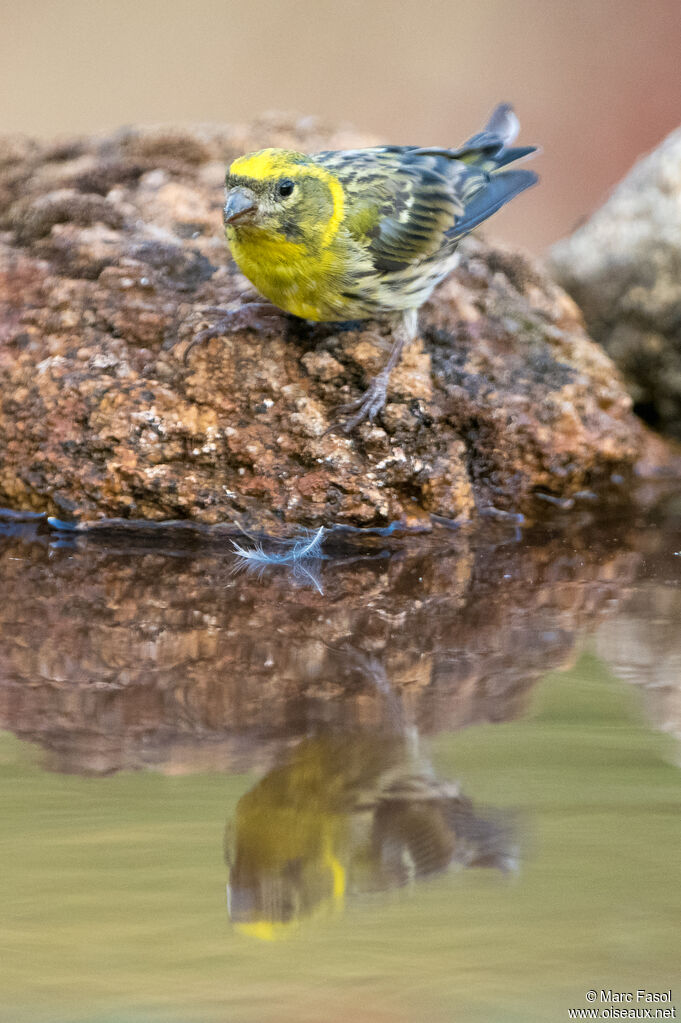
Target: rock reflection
(643,646)
(115,658)
(344,815)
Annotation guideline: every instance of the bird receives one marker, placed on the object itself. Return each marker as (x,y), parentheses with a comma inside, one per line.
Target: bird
(364,234)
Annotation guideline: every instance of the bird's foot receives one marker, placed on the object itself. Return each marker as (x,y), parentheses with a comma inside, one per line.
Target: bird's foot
(368,406)
(258,316)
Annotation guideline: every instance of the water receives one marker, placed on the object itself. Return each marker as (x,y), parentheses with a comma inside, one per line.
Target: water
(439,776)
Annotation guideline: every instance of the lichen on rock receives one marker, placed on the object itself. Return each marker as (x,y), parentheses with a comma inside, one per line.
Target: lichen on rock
(111,259)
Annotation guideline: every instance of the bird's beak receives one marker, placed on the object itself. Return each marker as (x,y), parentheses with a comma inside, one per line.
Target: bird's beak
(240,203)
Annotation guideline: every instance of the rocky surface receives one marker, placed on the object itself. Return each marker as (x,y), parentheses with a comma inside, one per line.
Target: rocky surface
(125,658)
(623,267)
(111,256)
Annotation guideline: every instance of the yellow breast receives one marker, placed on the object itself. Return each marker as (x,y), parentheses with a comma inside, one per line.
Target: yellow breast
(287,274)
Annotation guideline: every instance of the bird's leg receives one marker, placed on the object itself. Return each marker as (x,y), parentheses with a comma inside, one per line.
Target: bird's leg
(374,398)
(262,317)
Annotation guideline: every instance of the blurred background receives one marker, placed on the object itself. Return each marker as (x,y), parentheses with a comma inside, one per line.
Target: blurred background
(595,82)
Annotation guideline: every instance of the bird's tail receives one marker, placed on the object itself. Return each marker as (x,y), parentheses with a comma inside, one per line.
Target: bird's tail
(488,152)
(490,148)
(486,188)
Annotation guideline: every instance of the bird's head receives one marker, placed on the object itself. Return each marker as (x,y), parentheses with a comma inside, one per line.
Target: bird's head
(279,193)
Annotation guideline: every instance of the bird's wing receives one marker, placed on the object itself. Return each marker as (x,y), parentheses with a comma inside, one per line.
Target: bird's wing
(405,203)
(399,205)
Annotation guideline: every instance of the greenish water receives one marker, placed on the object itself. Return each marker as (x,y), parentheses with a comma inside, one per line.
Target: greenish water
(113,873)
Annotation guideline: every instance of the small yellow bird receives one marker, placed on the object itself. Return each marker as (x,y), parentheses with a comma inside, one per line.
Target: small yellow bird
(365,233)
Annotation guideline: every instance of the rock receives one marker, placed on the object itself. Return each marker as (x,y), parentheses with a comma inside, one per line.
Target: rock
(111,258)
(623,268)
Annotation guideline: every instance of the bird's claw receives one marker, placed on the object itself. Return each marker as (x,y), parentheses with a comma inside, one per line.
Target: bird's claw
(368,406)
(257,316)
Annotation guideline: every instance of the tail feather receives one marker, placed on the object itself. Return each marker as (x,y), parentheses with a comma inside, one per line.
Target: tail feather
(489,148)
(503,123)
(499,189)
(507,156)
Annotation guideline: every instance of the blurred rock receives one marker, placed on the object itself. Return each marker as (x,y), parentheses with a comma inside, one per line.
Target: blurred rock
(111,256)
(623,268)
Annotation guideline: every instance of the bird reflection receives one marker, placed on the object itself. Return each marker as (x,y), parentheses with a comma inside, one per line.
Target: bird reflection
(349,814)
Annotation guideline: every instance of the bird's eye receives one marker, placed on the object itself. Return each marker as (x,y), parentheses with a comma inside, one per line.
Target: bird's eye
(285,188)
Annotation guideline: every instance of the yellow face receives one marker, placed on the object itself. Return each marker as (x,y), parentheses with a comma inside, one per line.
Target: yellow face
(279,194)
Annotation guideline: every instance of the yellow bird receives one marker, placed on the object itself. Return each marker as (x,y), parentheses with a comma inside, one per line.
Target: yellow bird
(365,233)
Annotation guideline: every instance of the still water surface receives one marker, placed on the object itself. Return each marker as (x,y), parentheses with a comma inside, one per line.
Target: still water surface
(431,779)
